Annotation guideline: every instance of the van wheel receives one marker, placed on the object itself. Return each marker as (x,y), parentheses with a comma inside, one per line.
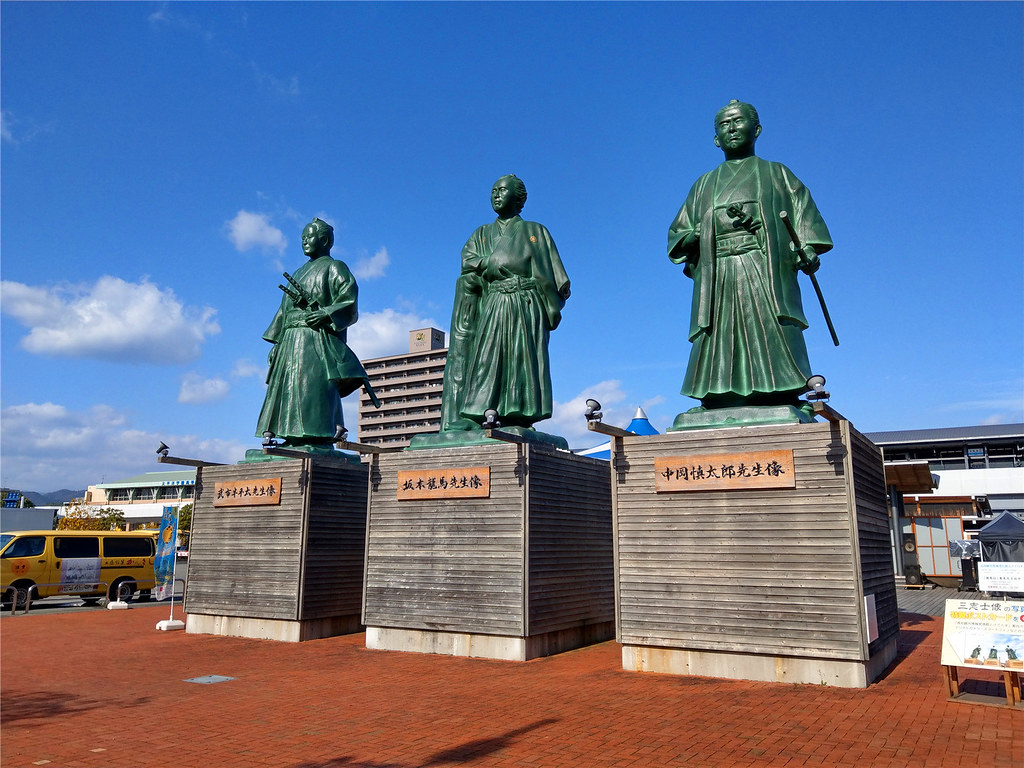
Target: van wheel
(123,589)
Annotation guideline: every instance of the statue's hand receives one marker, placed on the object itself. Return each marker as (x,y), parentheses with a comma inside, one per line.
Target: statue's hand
(809,261)
(316,318)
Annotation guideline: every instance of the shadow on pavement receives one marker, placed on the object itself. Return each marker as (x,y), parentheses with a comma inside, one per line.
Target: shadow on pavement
(38,705)
(460,754)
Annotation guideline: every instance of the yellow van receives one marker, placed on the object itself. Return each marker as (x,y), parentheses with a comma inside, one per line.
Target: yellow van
(86,563)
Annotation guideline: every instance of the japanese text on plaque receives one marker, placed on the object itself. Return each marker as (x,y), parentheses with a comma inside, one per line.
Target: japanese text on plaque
(724,471)
(451,483)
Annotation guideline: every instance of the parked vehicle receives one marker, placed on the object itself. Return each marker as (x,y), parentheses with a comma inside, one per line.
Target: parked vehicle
(92,564)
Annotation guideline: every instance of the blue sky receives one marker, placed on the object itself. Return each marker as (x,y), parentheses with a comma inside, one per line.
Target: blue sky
(159,160)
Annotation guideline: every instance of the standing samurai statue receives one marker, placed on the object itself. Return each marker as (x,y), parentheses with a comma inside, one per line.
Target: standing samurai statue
(508,299)
(311,366)
(746,320)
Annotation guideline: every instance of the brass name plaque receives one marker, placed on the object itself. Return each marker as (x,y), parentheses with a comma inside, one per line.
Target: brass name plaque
(247,493)
(451,483)
(724,471)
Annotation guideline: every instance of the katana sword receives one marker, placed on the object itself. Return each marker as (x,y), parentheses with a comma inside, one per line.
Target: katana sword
(814,281)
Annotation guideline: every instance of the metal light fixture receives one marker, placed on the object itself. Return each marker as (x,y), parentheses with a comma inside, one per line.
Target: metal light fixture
(593,412)
(491,419)
(816,385)
(163,450)
(268,440)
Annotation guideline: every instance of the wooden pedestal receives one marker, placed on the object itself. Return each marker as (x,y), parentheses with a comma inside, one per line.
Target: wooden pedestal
(290,570)
(731,562)
(521,570)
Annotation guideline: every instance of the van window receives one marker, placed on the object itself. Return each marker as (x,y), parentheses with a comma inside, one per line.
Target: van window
(27,546)
(127,547)
(76,546)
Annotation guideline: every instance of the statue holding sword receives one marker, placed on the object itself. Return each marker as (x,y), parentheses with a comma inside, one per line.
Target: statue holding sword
(311,365)
(745,231)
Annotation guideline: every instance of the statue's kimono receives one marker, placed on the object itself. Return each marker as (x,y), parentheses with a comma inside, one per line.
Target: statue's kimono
(509,297)
(746,320)
(312,369)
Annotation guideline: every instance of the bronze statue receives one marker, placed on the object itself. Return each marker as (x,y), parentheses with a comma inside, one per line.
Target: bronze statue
(311,366)
(746,320)
(508,299)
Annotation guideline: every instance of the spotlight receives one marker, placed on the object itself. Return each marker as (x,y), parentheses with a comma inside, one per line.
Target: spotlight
(268,440)
(491,419)
(340,434)
(163,450)
(593,412)
(816,385)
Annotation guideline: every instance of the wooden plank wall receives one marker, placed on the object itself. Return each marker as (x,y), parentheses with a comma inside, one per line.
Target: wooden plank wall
(332,583)
(245,561)
(874,535)
(757,571)
(447,564)
(571,570)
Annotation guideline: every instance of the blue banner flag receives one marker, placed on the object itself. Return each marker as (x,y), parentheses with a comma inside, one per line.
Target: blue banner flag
(166,544)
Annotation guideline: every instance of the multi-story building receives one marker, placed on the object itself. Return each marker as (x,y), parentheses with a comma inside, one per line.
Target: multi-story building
(409,388)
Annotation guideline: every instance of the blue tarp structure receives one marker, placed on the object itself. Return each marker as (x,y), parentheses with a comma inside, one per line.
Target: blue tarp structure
(640,425)
(1002,540)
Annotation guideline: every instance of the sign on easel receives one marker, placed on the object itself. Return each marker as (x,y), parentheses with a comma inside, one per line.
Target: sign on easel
(984,634)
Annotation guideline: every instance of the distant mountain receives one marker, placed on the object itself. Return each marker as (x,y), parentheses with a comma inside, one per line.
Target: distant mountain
(53,498)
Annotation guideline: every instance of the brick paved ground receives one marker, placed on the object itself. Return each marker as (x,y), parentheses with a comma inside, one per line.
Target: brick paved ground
(105,688)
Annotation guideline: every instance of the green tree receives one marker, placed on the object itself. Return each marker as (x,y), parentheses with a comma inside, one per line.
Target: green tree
(79,517)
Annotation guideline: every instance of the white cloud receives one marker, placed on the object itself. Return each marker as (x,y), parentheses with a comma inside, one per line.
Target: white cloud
(250,230)
(378,334)
(110,320)
(369,267)
(177,20)
(567,418)
(283,86)
(17,130)
(6,134)
(244,368)
(47,447)
(195,389)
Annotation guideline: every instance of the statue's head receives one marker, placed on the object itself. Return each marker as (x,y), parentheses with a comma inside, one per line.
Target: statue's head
(737,127)
(317,237)
(508,196)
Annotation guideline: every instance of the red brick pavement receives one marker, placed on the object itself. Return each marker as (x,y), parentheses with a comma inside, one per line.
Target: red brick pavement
(104,688)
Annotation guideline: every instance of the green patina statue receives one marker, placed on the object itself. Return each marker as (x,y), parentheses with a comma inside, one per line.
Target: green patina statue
(311,366)
(508,298)
(746,320)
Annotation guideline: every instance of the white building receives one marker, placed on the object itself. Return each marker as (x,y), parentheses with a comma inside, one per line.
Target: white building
(142,498)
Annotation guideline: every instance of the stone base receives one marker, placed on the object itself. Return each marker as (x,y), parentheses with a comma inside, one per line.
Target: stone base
(272,629)
(713,418)
(459,438)
(840,673)
(500,647)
